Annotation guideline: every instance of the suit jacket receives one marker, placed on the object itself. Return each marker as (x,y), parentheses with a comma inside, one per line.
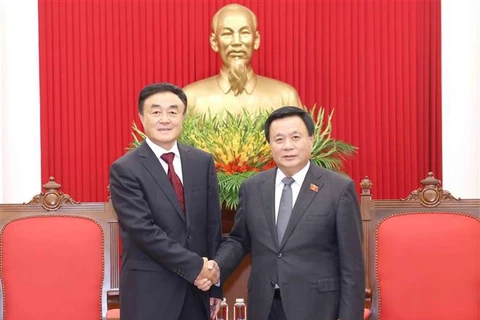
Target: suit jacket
(162,247)
(319,264)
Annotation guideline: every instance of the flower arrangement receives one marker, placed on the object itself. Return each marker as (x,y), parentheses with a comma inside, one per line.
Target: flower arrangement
(239,149)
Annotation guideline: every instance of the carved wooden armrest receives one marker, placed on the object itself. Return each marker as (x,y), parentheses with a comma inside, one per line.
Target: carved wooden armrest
(113,299)
(368,298)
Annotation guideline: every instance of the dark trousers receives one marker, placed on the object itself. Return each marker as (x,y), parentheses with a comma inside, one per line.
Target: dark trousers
(276,310)
(193,307)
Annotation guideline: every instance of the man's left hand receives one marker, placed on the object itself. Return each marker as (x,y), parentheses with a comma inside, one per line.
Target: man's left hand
(214,307)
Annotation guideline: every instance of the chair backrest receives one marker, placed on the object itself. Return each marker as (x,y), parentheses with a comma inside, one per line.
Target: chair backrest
(423,254)
(58,257)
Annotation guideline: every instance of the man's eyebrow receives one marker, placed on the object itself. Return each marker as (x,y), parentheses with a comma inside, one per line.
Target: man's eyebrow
(172,106)
(225,28)
(287,133)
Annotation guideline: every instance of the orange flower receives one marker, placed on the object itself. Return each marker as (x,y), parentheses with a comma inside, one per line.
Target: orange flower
(270,164)
(235,166)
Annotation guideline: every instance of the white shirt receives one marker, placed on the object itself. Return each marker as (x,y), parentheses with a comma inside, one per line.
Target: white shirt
(299,177)
(177,163)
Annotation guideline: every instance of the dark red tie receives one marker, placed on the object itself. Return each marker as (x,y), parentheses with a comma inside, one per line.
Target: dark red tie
(174,179)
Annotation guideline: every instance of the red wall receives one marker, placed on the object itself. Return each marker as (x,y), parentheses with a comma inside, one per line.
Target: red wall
(377,63)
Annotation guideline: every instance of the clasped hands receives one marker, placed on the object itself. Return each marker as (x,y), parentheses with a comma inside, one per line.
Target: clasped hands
(208,276)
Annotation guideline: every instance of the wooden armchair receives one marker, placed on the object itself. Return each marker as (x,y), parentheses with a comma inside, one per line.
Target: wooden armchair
(422,254)
(58,258)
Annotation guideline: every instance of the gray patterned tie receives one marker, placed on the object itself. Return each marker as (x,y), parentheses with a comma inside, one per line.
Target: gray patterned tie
(285,208)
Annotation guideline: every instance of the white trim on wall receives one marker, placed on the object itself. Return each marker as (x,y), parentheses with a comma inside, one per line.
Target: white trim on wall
(460,97)
(20,160)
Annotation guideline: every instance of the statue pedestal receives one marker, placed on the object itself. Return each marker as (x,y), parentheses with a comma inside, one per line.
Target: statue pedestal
(228,219)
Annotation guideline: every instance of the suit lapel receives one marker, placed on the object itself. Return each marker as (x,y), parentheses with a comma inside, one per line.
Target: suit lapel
(267,187)
(153,166)
(188,173)
(304,200)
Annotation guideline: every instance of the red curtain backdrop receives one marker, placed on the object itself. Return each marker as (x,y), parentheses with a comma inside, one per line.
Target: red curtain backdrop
(376,63)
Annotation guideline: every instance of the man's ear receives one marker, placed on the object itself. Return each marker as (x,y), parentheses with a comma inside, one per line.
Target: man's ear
(312,141)
(256,44)
(213,42)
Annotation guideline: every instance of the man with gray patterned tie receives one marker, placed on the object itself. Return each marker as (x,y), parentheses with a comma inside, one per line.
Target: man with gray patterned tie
(303,227)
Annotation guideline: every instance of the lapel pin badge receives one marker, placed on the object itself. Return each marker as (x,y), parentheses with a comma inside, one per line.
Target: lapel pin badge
(313,187)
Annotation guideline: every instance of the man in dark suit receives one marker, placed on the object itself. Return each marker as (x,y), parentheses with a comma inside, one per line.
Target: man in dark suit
(167,201)
(307,262)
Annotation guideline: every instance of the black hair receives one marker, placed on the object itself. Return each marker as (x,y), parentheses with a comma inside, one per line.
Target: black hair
(289,111)
(154,88)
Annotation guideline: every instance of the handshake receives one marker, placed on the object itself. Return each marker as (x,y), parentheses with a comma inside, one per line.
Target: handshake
(208,276)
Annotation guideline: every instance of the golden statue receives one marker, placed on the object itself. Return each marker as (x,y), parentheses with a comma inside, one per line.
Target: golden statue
(235,37)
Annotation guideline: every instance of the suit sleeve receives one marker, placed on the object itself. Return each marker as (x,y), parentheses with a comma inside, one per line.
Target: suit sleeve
(349,237)
(136,218)
(237,245)
(214,223)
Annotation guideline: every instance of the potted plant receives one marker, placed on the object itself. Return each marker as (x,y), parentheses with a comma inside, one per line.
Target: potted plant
(239,148)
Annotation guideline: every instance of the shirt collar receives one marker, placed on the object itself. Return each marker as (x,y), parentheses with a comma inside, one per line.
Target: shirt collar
(159,150)
(224,84)
(298,177)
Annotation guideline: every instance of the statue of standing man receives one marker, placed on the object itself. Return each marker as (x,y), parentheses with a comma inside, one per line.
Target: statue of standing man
(235,38)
